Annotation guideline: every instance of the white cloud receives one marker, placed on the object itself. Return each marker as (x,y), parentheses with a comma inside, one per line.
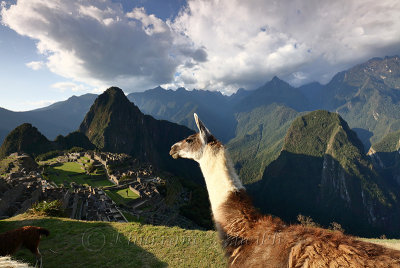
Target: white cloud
(35,65)
(248,42)
(66,86)
(97,43)
(30,105)
(215,44)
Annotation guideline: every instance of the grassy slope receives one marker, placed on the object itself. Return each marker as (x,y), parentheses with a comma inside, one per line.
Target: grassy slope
(120,197)
(98,244)
(72,171)
(389,143)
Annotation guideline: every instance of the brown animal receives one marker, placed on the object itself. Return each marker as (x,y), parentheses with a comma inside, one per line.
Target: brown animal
(254,240)
(27,236)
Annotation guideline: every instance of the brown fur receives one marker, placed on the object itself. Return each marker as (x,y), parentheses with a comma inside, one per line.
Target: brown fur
(255,240)
(28,237)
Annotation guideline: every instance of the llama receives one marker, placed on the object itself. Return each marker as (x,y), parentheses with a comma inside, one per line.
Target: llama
(254,240)
(27,236)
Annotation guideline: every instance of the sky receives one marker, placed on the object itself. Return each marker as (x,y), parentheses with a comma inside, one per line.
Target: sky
(53,49)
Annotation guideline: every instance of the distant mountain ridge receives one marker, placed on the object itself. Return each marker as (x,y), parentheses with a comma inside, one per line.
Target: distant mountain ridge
(179,105)
(367,96)
(59,118)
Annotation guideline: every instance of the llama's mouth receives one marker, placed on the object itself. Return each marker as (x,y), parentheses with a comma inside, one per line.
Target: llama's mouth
(174,154)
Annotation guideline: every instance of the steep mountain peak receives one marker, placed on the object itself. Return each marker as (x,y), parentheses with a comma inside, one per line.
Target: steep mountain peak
(274,91)
(110,107)
(276,81)
(25,138)
(114,124)
(317,133)
(158,89)
(114,91)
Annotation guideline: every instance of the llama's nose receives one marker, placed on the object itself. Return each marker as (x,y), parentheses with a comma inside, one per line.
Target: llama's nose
(174,151)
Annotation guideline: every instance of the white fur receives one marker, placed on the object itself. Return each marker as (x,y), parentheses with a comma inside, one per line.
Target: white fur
(8,262)
(220,176)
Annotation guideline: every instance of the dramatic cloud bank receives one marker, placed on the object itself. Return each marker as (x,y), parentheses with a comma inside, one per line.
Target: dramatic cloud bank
(248,42)
(96,42)
(216,45)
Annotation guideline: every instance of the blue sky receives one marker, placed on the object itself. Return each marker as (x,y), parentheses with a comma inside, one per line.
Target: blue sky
(51,50)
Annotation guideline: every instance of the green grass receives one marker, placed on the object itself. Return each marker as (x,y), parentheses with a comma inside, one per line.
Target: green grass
(390,243)
(132,218)
(101,244)
(120,196)
(4,164)
(73,172)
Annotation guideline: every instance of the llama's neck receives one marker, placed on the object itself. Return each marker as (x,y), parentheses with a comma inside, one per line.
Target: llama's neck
(220,176)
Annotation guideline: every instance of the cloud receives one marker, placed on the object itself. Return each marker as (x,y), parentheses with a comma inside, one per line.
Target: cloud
(35,65)
(96,42)
(248,42)
(29,105)
(216,45)
(66,86)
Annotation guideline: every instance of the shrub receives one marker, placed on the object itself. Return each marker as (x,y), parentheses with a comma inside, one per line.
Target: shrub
(45,208)
(306,221)
(334,226)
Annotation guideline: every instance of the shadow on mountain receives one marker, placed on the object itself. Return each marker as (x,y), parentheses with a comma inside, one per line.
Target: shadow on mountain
(388,165)
(365,136)
(321,188)
(87,244)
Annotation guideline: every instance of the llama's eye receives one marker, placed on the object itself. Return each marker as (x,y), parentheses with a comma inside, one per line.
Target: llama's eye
(189,140)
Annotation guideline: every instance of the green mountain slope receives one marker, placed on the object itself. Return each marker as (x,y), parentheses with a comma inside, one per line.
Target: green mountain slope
(27,139)
(114,124)
(259,139)
(323,172)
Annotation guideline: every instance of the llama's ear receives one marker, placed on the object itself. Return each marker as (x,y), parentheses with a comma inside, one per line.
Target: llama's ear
(205,134)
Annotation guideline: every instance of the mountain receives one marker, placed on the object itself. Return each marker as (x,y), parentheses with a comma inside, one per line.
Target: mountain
(385,155)
(367,96)
(59,118)
(27,139)
(178,106)
(114,124)
(323,172)
(259,139)
(312,92)
(275,91)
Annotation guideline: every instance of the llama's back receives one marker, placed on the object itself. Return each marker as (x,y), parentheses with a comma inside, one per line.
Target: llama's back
(298,246)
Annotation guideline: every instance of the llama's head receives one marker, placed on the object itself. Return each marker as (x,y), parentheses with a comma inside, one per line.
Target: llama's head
(193,146)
